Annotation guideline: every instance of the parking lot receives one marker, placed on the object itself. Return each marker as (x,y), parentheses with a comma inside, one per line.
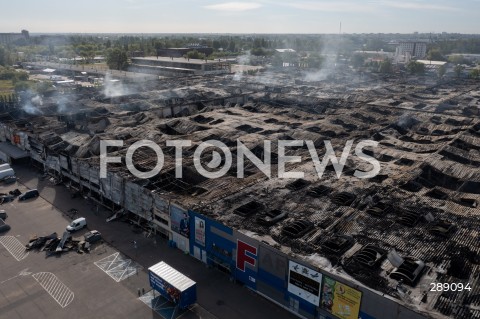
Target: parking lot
(32,285)
(106,282)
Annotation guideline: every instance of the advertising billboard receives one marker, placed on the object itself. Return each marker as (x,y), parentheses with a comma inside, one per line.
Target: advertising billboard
(200,231)
(168,291)
(304,282)
(340,300)
(180,221)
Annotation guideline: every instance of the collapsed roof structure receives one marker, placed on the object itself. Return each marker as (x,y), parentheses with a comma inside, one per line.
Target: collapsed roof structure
(415,223)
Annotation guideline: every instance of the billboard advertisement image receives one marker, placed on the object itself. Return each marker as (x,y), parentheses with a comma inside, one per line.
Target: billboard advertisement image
(340,300)
(199,231)
(180,221)
(304,282)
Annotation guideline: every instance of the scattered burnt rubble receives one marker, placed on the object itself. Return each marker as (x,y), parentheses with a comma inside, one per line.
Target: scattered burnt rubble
(272,217)
(54,245)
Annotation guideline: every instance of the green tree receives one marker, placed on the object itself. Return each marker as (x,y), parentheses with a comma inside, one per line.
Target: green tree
(435,55)
(3,56)
(87,52)
(457,59)
(232,47)
(12,74)
(44,87)
(314,61)
(195,55)
(357,60)
(51,49)
(22,86)
(458,70)
(260,52)
(216,44)
(415,67)
(117,59)
(475,73)
(385,67)
(22,76)
(277,61)
(290,57)
(442,69)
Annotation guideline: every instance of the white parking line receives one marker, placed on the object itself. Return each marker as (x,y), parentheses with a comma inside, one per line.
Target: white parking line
(118,267)
(55,288)
(14,247)
(21,273)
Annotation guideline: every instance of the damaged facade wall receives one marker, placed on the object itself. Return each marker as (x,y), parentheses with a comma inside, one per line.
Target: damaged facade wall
(265,269)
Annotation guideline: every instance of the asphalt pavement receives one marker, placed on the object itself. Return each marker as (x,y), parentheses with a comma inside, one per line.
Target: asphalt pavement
(217,296)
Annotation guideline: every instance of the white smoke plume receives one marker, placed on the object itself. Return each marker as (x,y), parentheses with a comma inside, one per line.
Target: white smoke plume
(328,68)
(242,60)
(37,100)
(31,107)
(114,88)
(406,121)
(62,103)
(329,52)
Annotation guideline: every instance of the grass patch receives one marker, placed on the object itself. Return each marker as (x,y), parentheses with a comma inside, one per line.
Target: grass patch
(6,87)
(97,66)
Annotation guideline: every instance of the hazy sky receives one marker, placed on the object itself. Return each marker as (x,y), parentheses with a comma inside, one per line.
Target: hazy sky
(256,16)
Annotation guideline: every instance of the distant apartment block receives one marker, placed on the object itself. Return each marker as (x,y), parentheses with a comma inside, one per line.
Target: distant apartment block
(407,50)
(6,38)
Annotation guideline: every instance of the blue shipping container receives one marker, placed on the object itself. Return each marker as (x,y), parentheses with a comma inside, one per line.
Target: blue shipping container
(173,285)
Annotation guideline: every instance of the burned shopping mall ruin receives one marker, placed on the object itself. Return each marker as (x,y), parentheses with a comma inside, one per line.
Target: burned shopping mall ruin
(384,239)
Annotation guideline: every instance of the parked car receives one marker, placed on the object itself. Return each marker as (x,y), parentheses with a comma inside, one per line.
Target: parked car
(9,180)
(77,224)
(93,236)
(3,227)
(6,198)
(33,193)
(3,214)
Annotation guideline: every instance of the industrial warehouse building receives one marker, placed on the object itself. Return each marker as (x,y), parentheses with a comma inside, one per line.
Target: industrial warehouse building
(179,66)
(322,248)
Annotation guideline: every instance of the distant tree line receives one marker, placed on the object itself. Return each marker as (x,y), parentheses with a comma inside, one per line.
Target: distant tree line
(310,47)
(457,46)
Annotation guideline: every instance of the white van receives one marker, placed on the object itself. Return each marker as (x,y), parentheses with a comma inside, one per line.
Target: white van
(4,166)
(77,224)
(6,173)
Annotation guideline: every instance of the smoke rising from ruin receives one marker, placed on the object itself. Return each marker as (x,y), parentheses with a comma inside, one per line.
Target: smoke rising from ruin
(31,106)
(114,88)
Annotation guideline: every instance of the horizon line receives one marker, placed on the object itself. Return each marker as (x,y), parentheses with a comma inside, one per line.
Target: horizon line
(247,33)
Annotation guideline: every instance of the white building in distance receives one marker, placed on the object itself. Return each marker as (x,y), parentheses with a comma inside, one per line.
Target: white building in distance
(407,50)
